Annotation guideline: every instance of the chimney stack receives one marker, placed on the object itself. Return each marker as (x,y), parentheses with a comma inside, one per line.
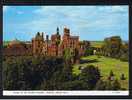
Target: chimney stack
(42,35)
(66,30)
(47,37)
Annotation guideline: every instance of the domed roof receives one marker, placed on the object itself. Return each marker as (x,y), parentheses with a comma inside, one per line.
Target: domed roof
(15,42)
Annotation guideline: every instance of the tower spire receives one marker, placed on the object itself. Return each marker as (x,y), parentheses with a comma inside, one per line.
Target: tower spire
(42,35)
(57,31)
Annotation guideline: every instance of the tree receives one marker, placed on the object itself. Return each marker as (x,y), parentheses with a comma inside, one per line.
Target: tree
(75,85)
(124,52)
(89,51)
(101,85)
(68,55)
(111,76)
(76,56)
(29,72)
(111,73)
(116,85)
(108,85)
(112,46)
(122,77)
(90,75)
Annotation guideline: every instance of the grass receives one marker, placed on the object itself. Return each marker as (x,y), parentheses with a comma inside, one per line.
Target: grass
(105,65)
(96,43)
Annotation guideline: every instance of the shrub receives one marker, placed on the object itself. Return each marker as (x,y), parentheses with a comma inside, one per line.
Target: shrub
(90,75)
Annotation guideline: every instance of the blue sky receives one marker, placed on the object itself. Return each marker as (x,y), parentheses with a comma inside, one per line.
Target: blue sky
(89,22)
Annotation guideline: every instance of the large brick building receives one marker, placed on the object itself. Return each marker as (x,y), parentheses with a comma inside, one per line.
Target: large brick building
(17,48)
(55,46)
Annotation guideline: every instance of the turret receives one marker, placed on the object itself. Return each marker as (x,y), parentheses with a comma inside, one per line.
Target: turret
(47,38)
(66,31)
(38,34)
(57,31)
(42,35)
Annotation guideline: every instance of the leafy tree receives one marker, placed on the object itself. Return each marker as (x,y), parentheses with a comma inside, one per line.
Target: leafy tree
(101,85)
(89,51)
(111,73)
(68,55)
(90,75)
(122,77)
(108,85)
(75,85)
(112,45)
(51,73)
(116,85)
(111,76)
(29,72)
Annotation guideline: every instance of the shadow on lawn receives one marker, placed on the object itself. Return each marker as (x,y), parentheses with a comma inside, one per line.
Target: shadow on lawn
(88,61)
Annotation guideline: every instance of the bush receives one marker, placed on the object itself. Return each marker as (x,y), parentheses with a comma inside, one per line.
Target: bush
(75,85)
(90,75)
(89,51)
(108,85)
(51,73)
(124,57)
(101,85)
(28,72)
(122,77)
(116,85)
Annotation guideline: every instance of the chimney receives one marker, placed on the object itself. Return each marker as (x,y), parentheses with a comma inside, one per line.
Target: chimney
(66,30)
(42,35)
(47,38)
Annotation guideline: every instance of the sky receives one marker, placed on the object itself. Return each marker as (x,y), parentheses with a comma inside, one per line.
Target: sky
(93,23)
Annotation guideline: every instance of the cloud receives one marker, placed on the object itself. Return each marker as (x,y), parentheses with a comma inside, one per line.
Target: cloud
(20,12)
(81,20)
(5,8)
(119,9)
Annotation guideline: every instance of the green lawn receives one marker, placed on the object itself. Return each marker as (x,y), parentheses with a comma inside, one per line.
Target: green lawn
(105,65)
(96,43)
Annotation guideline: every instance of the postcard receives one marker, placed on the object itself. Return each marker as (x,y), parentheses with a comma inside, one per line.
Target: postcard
(66,50)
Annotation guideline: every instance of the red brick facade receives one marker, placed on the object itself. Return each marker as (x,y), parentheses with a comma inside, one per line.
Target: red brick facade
(56,46)
(17,48)
(53,47)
